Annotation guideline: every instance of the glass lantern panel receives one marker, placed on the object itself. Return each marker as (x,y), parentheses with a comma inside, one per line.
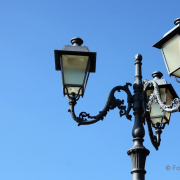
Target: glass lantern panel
(155,110)
(87,76)
(169,98)
(162,93)
(176,73)
(167,115)
(77,90)
(74,68)
(158,120)
(156,113)
(73,90)
(171,52)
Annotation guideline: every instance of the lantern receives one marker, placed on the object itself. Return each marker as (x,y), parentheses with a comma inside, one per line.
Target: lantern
(75,63)
(167,94)
(170,47)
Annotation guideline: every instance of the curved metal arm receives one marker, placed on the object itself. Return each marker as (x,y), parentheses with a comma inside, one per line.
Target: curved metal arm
(111,103)
(155,140)
(156,98)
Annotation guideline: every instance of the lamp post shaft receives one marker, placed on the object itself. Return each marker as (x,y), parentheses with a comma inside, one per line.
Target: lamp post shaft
(138,152)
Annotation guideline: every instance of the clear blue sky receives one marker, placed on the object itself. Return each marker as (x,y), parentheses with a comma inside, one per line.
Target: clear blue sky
(38,138)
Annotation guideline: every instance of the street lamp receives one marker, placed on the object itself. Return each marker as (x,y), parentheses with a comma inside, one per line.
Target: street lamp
(167,94)
(170,48)
(153,101)
(75,63)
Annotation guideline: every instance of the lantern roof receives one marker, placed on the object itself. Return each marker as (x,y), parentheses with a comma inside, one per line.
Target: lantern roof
(174,31)
(162,83)
(75,49)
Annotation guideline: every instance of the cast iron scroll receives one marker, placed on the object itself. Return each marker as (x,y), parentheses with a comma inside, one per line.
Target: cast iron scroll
(111,103)
(156,98)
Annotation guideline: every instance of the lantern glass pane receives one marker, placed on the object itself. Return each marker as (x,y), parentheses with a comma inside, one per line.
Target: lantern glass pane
(171,53)
(156,114)
(73,90)
(176,73)
(158,120)
(155,110)
(86,78)
(74,68)
(169,98)
(167,114)
(78,90)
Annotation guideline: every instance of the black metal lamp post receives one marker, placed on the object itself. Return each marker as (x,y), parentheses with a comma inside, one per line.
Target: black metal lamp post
(153,101)
(170,47)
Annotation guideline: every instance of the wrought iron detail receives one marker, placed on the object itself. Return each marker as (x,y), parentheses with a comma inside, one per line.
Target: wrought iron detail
(155,140)
(111,103)
(156,98)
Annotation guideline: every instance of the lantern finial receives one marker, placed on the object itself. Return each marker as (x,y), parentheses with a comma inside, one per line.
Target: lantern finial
(138,57)
(157,75)
(76,41)
(177,21)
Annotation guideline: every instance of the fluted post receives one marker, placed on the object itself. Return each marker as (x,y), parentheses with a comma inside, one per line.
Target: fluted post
(138,152)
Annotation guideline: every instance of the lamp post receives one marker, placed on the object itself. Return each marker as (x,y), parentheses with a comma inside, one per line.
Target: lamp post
(153,101)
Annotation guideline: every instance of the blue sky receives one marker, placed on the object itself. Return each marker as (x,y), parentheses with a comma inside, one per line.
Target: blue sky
(38,138)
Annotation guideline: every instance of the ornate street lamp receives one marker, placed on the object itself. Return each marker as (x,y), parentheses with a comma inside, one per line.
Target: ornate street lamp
(170,47)
(75,63)
(160,96)
(167,94)
(153,101)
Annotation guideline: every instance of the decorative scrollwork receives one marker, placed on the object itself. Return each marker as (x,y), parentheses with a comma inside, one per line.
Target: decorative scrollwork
(111,103)
(155,140)
(156,98)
